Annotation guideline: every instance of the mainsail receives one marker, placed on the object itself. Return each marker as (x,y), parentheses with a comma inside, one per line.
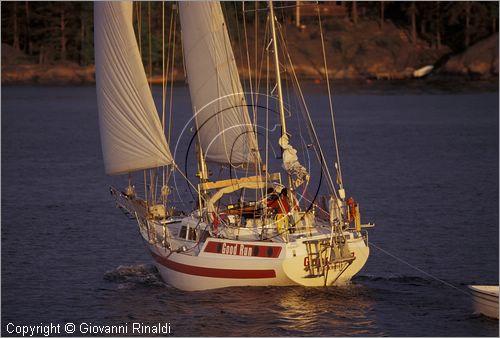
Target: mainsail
(224,127)
(132,137)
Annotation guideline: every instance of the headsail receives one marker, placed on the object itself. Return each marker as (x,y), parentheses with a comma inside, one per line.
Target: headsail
(225,131)
(132,137)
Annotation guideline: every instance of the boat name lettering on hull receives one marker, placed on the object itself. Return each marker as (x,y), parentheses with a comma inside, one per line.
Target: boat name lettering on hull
(240,249)
(316,262)
(236,249)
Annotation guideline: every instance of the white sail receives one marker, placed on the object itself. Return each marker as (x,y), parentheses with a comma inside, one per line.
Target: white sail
(132,137)
(219,105)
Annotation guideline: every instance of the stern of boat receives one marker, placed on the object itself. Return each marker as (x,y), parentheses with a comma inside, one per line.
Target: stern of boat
(321,261)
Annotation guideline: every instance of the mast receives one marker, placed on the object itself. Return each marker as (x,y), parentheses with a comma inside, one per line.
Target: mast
(202,174)
(284,137)
(277,69)
(296,172)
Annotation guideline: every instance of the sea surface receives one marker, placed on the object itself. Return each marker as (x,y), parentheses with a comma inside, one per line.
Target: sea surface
(420,158)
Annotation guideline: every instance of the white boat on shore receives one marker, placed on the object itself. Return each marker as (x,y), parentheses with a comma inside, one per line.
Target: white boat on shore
(485,299)
(421,72)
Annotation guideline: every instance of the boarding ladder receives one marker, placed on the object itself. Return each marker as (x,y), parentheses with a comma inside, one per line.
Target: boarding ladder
(326,257)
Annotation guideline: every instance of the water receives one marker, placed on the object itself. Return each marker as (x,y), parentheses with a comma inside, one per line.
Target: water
(423,164)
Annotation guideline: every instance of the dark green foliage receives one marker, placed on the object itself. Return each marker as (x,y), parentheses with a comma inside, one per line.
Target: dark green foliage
(334,25)
(56,31)
(337,44)
(361,50)
(388,43)
(314,35)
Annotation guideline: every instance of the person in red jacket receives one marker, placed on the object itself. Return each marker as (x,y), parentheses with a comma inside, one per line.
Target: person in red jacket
(278,202)
(351,203)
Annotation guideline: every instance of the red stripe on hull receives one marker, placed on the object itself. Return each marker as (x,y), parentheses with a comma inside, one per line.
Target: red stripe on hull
(213,272)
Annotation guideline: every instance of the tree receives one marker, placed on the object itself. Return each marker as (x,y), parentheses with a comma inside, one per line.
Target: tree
(492,9)
(28,42)
(467,24)
(14,24)
(437,24)
(54,31)
(86,36)
(382,14)
(63,32)
(413,22)
(354,13)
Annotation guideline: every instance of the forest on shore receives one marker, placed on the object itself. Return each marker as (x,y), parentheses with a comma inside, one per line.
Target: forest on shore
(363,39)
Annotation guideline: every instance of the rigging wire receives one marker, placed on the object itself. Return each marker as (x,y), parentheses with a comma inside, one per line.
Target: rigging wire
(267,108)
(286,79)
(145,185)
(163,103)
(152,172)
(418,269)
(330,101)
(265,53)
(307,116)
(280,7)
(139,25)
(173,15)
(251,139)
(165,67)
(150,48)
(175,167)
(256,49)
(172,64)
(165,70)
(254,109)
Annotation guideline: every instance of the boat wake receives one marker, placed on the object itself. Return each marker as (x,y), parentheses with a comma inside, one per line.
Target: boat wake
(133,275)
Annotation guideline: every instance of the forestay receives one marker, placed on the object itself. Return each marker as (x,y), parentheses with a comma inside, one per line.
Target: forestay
(225,131)
(132,137)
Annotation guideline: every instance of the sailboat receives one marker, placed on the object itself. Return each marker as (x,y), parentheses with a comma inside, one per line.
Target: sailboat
(271,234)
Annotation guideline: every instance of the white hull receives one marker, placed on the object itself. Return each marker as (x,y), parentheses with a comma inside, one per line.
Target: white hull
(219,263)
(421,72)
(485,299)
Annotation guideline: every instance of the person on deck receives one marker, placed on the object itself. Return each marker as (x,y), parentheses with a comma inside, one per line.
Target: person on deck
(351,204)
(278,202)
(271,198)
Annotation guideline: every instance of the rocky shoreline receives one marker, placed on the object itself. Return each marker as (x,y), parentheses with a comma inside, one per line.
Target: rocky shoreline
(47,74)
(77,75)
(479,61)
